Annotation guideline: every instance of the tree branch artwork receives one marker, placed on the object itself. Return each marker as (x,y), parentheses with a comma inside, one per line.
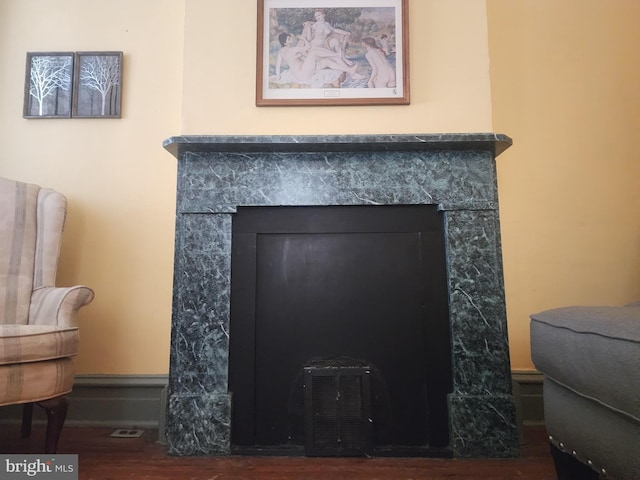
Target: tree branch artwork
(48,74)
(48,85)
(100,73)
(73,84)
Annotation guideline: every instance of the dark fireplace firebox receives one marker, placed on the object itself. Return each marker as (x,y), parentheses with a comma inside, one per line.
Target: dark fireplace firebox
(361,281)
(339,295)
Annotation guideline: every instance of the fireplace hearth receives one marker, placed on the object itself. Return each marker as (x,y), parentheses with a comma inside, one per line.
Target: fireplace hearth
(454,174)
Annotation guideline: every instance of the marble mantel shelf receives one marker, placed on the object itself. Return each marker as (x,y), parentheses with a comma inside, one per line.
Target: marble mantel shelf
(456,171)
(486,142)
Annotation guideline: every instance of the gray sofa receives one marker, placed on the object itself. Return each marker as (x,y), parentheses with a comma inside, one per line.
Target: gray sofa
(590,359)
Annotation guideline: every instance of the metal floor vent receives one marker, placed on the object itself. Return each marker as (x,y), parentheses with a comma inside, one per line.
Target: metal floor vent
(127,433)
(338,410)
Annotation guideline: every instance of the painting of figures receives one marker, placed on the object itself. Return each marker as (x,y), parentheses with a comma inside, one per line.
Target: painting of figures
(332,53)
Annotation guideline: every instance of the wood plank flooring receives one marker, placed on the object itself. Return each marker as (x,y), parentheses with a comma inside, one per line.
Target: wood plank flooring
(103,458)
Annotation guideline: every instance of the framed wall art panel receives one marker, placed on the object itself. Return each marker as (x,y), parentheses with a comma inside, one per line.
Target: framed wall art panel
(97,85)
(48,85)
(332,52)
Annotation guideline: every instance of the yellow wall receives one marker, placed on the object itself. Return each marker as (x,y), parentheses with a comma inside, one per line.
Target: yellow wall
(569,206)
(449,58)
(565,80)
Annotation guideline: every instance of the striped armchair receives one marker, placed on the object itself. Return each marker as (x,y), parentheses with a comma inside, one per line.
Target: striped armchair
(38,329)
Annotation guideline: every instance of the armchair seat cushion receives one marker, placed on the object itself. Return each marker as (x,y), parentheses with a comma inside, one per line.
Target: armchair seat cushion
(36,381)
(35,343)
(593,351)
(590,358)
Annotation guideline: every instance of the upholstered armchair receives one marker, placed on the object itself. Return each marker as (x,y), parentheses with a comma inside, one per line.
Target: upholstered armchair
(38,328)
(590,358)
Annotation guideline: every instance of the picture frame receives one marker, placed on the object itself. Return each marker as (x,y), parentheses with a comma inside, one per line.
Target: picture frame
(48,85)
(332,52)
(97,91)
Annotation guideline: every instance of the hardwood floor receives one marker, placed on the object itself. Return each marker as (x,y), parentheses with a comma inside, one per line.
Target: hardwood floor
(102,457)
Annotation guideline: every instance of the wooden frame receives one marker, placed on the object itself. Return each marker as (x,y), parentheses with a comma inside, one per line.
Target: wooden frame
(97,83)
(332,52)
(48,85)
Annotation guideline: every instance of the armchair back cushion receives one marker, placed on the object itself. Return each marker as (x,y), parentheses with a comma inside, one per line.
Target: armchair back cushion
(29,245)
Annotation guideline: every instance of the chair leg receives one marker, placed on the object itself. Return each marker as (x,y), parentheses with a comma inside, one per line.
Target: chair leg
(27,415)
(56,409)
(569,468)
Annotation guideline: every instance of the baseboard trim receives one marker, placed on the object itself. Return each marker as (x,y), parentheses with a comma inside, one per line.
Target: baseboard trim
(527,391)
(119,401)
(138,401)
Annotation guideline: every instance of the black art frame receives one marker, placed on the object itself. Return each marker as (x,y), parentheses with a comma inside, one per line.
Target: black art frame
(73,84)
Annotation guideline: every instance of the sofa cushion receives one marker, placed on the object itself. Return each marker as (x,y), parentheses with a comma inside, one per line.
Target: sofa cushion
(34,343)
(594,351)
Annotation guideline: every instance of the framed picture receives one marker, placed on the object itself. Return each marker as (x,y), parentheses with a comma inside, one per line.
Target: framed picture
(97,91)
(332,52)
(48,85)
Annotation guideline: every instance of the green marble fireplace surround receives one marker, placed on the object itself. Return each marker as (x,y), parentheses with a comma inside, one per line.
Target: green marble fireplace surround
(455,172)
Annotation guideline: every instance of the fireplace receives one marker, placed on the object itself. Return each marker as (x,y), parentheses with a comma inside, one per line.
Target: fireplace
(452,177)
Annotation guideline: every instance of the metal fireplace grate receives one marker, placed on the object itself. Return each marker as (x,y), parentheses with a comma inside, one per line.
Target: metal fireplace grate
(338,410)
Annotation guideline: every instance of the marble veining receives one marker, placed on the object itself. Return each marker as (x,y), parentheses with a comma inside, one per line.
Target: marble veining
(335,178)
(457,172)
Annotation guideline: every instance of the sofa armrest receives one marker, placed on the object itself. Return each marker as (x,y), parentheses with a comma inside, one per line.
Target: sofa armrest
(58,305)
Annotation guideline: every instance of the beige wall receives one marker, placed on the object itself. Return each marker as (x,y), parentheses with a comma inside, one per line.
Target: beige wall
(119,181)
(565,191)
(565,80)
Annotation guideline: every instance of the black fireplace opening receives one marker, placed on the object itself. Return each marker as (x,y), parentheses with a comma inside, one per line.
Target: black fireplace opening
(350,302)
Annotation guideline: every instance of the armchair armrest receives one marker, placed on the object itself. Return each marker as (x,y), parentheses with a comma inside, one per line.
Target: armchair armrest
(58,305)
